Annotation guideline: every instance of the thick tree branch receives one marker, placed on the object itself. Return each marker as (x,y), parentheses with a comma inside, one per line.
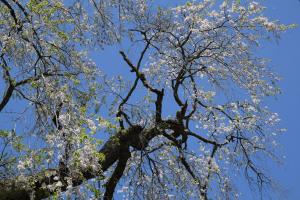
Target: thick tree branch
(134,136)
(117,174)
(11,84)
(8,93)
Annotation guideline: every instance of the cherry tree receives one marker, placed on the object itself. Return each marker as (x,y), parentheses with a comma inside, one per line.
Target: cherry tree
(183,122)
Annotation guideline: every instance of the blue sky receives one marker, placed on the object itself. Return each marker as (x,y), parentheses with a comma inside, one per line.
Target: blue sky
(285,61)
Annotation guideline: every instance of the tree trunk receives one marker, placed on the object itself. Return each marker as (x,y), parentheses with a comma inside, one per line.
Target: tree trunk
(134,136)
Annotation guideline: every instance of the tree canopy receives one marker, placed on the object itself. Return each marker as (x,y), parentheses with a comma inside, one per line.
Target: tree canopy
(184,117)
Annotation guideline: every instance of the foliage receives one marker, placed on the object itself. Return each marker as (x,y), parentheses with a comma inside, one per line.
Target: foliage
(190,118)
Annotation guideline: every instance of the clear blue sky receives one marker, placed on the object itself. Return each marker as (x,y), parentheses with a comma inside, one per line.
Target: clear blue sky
(286,61)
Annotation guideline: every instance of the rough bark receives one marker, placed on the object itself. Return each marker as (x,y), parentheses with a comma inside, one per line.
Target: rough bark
(134,136)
